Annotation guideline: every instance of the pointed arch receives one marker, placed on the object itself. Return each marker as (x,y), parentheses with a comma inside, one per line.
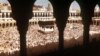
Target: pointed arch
(74,22)
(44,11)
(74,12)
(97,11)
(97,8)
(74,8)
(45,5)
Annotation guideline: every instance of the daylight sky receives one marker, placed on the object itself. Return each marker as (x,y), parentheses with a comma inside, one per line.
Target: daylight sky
(2,1)
(45,2)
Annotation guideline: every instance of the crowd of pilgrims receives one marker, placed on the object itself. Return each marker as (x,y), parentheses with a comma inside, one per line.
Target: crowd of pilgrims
(9,37)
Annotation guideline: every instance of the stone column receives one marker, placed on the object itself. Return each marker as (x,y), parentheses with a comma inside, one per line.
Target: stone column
(87,14)
(61,13)
(22,12)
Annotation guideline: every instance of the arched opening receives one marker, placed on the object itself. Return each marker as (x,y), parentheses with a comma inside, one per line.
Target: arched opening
(96,17)
(74,11)
(43,31)
(95,26)
(74,26)
(97,11)
(9,35)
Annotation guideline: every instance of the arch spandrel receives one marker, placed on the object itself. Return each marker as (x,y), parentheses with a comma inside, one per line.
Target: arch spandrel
(26,8)
(87,4)
(87,12)
(99,3)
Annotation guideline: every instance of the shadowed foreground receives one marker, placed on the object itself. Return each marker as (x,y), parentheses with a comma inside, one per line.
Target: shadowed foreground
(72,49)
(92,50)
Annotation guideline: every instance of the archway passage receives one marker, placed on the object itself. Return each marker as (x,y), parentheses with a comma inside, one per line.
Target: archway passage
(74,27)
(94,27)
(44,32)
(96,17)
(87,12)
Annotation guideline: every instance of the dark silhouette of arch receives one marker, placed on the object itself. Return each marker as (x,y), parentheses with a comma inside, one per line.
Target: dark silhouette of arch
(22,12)
(99,3)
(61,13)
(87,12)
